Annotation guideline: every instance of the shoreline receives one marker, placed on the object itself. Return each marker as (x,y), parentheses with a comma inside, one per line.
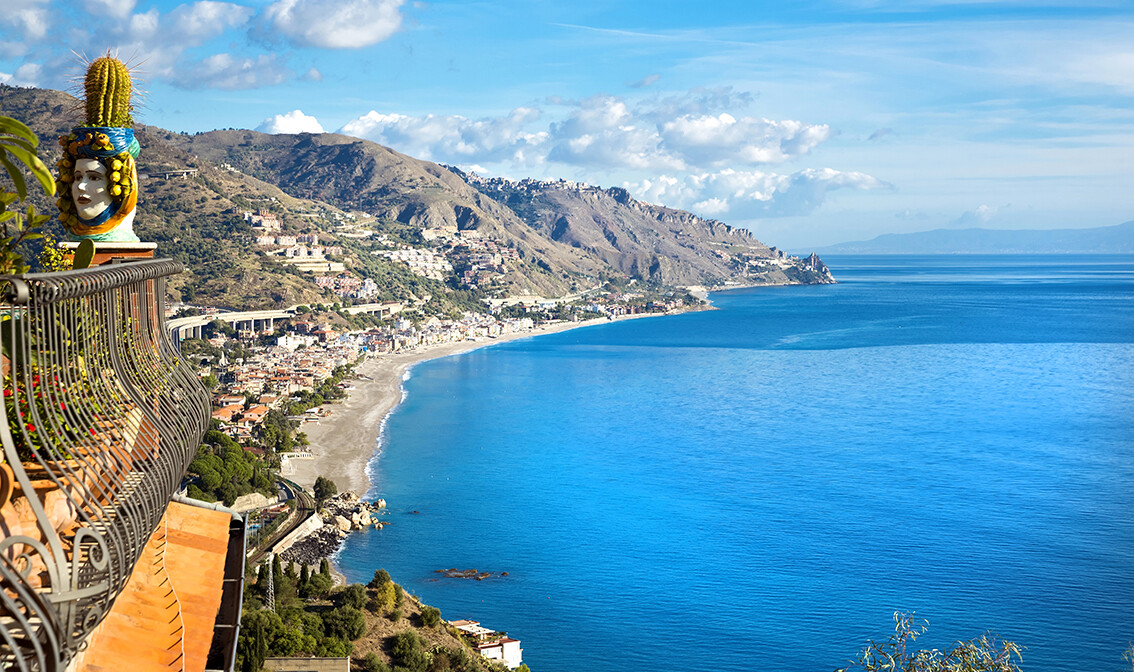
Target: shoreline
(344,443)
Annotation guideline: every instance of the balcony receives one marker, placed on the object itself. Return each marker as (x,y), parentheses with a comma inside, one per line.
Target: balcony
(103,419)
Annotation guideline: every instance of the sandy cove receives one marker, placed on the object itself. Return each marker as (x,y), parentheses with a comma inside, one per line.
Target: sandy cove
(344,443)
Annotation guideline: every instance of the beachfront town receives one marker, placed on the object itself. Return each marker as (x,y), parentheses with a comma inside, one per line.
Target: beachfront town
(252,372)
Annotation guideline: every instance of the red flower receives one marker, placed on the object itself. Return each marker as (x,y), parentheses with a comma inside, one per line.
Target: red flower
(31,427)
(62,406)
(7,392)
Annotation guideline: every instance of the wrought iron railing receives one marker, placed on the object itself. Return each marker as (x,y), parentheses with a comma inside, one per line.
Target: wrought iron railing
(103,419)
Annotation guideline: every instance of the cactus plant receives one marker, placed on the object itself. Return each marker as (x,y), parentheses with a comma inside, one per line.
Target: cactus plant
(108,89)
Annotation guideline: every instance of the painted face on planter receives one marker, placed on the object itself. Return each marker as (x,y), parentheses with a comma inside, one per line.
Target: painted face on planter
(91,189)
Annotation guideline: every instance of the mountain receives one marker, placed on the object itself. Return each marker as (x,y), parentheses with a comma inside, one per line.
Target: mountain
(639,239)
(557,237)
(1118,239)
(570,234)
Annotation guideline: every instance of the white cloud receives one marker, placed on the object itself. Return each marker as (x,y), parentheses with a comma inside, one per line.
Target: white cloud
(292,122)
(335,24)
(27,74)
(144,26)
(452,138)
(29,16)
(696,101)
(709,140)
(224,71)
(118,9)
(978,217)
(1113,68)
(158,45)
(751,194)
(201,21)
(603,132)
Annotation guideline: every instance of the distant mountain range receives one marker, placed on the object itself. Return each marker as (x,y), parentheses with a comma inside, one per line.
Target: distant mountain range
(567,236)
(1117,239)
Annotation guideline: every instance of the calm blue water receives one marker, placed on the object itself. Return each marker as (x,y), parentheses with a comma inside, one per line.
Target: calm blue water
(760,487)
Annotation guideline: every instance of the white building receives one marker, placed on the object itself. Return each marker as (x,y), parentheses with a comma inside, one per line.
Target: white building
(491,645)
(504,649)
(292,342)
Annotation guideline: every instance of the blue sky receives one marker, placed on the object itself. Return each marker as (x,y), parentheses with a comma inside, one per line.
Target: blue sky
(809,122)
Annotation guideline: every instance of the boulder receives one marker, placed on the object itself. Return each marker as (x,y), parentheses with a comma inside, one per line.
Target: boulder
(342,523)
(360,518)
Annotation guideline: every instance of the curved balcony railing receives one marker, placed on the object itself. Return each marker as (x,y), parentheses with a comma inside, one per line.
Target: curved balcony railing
(103,419)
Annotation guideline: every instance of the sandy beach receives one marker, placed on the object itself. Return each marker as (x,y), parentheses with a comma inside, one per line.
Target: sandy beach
(344,442)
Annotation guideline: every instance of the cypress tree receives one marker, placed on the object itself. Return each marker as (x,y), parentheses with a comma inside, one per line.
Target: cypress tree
(277,570)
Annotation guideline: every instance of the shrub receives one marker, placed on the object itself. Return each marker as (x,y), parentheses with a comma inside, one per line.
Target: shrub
(317,586)
(984,654)
(430,616)
(346,623)
(381,578)
(353,595)
(383,599)
(409,651)
(324,489)
(333,647)
(372,663)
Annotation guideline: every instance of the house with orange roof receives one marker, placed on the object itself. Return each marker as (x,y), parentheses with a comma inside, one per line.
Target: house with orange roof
(255,414)
(227,413)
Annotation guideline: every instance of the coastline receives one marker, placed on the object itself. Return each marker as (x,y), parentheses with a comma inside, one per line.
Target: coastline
(344,443)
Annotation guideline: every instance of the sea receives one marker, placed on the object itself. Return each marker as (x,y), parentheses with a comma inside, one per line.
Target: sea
(762,486)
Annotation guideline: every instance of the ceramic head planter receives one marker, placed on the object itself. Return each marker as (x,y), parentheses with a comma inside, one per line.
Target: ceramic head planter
(98,175)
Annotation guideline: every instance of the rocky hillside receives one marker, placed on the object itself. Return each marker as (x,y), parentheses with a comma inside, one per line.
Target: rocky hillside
(641,240)
(563,237)
(361,175)
(198,219)
(574,233)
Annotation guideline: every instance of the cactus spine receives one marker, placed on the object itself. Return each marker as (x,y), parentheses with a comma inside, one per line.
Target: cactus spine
(108,93)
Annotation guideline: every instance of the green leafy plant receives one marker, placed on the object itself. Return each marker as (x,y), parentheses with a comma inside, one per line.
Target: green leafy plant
(897,654)
(18,152)
(19,401)
(324,489)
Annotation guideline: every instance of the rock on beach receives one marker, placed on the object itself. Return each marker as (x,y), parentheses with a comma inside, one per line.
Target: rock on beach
(340,514)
